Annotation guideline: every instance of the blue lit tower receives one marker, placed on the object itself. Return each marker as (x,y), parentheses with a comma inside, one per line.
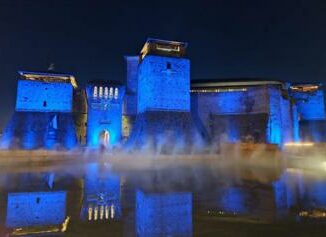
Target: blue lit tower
(43,116)
(104,115)
(163,98)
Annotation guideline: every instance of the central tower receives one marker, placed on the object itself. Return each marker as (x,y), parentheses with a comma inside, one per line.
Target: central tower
(163,122)
(163,77)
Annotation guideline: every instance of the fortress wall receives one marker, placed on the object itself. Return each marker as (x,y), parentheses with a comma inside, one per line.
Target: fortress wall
(44,97)
(164,84)
(206,106)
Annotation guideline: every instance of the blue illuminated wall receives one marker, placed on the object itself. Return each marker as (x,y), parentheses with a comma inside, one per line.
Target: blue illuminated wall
(32,130)
(164,84)
(130,107)
(163,214)
(104,114)
(44,96)
(310,106)
(35,209)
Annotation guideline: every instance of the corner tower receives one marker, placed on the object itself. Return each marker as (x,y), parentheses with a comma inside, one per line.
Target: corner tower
(43,116)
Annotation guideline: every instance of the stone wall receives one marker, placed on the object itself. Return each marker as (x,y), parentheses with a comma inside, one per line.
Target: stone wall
(165,132)
(44,97)
(263,112)
(251,104)
(104,115)
(32,130)
(130,102)
(164,84)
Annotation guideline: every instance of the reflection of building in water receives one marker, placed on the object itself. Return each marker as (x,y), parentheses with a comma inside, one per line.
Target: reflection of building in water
(294,191)
(163,214)
(32,209)
(36,203)
(248,200)
(101,195)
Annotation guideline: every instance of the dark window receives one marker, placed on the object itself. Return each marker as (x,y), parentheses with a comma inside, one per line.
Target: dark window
(44,104)
(38,200)
(168,66)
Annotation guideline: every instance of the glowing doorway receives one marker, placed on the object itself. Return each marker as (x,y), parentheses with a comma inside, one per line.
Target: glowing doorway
(105,139)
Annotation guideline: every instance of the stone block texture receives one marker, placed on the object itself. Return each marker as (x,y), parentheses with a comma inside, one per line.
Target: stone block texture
(165,132)
(32,130)
(164,84)
(44,96)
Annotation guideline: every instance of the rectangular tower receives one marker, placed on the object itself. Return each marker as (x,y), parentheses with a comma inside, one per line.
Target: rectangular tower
(45,92)
(163,77)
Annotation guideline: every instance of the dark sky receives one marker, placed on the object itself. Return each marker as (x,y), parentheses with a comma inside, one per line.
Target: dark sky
(281,39)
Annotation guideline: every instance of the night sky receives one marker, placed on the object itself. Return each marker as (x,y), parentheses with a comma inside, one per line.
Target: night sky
(280,39)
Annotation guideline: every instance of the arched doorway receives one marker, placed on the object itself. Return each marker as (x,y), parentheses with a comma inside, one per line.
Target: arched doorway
(104,139)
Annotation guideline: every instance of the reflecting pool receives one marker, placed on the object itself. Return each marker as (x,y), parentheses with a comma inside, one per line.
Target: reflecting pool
(98,199)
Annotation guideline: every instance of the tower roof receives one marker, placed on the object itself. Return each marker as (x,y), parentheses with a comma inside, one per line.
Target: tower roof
(48,76)
(163,48)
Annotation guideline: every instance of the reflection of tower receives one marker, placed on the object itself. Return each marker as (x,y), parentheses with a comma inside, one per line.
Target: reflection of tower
(167,214)
(104,120)
(163,97)
(101,195)
(36,209)
(42,210)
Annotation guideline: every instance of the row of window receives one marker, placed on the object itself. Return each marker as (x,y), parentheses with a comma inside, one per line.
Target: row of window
(101,212)
(106,93)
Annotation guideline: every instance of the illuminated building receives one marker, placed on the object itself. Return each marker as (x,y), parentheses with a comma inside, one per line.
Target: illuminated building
(237,110)
(44,113)
(160,109)
(162,119)
(104,115)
